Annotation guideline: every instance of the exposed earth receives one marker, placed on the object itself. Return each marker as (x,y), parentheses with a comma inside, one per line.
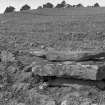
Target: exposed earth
(53,57)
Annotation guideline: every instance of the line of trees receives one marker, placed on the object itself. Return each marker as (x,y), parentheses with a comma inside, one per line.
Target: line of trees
(63,4)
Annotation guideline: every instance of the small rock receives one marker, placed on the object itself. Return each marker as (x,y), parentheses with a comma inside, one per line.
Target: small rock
(21,104)
(12,69)
(42,47)
(86,101)
(42,86)
(64,102)
(50,102)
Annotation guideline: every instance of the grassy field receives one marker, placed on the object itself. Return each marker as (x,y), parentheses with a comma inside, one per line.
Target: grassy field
(73,28)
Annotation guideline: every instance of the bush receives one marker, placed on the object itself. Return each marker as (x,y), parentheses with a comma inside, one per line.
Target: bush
(68,5)
(9,9)
(96,5)
(79,5)
(39,7)
(61,5)
(25,7)
(58,6)
(48,5)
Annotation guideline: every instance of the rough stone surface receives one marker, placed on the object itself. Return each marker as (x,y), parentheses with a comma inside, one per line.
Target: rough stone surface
(79,70)
(52,54)
(69,63)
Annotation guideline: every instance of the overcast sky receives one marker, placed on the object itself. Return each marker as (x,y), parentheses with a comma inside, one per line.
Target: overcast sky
(34,3)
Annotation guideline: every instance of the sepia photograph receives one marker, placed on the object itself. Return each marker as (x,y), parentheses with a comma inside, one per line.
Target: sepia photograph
(52,52)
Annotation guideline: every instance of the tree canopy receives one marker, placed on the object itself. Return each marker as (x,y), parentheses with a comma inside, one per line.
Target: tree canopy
(48,5)
(25,7)
(61,5)
(96,5)
(9,9)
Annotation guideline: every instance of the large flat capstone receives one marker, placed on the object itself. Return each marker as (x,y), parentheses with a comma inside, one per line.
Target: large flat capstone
(78,70)
(79,64)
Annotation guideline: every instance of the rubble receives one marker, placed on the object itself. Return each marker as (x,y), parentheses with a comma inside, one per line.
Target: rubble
(7,56)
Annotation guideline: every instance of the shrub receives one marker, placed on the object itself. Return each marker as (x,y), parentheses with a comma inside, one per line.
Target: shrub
(58,6)
(96,5)
(25,7)
(68,5)
(48,5)
(9,9)
(79,5)
(39,7)
(61,5)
